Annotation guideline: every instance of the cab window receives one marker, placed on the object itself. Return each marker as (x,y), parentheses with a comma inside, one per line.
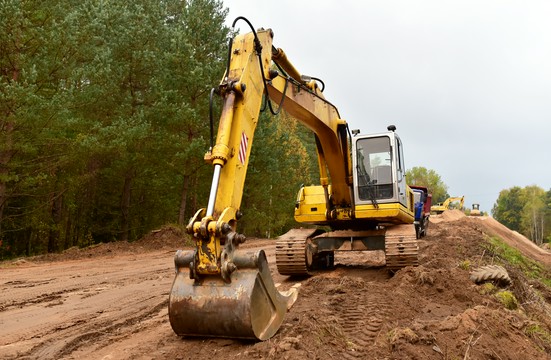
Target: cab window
(374,168)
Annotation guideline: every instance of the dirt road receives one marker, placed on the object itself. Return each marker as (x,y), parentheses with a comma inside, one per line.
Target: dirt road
(106,307)
(75,308)
(110,302)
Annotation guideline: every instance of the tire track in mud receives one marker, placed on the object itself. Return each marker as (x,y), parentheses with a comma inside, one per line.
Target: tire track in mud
(116,314)
(51,298)
(90,333)
(362,325)
(75,308)
(359,325)
(24,293)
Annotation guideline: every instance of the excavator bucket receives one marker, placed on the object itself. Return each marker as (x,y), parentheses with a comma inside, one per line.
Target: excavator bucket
(248,307)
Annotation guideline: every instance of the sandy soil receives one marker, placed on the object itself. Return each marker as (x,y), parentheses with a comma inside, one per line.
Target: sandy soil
(110,302)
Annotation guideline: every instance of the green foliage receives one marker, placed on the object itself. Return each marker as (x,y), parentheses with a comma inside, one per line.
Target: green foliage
(103,117)
(465,265)
(538,332)
(527,210)
(508,299)
(488,288)
(104,110)
(421,176)
(279,164)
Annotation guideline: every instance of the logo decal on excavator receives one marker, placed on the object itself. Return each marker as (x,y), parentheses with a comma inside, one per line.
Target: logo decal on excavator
(243,148)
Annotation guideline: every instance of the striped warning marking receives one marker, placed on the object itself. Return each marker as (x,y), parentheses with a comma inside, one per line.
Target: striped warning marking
(243,148)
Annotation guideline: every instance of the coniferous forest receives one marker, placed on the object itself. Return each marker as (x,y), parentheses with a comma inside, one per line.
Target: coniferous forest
(104,121)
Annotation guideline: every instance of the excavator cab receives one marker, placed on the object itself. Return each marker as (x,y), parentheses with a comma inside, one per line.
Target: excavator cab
(378,190)
(378,215)
(379,168)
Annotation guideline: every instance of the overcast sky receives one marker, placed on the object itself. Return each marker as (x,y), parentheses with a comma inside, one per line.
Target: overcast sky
(467,83)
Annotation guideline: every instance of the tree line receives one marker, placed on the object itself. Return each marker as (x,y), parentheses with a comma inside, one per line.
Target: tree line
(104,111)
(421,176)
(526,210)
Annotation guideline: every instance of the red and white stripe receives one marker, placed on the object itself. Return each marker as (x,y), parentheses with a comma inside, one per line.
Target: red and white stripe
(243,148)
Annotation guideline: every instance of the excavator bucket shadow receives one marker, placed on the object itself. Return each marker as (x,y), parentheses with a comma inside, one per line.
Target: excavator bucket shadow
(249,307)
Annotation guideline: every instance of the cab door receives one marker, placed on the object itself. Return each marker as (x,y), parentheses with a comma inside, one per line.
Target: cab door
(401,185)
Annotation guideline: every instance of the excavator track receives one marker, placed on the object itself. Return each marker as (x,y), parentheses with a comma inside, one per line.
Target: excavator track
(401,247)
(292,252)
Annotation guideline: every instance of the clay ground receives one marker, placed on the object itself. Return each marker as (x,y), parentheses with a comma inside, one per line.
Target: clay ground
(110,302)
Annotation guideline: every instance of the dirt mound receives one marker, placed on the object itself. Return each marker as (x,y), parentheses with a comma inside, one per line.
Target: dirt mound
(114,306)
(433,311)
(513,238)
(167,238)
(171,237)
(448,215)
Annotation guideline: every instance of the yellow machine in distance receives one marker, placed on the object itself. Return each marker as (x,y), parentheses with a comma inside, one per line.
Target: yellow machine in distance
(446,205)
(362,198)
(475,211)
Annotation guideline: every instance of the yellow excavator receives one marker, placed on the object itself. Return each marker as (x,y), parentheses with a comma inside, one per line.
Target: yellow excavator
(446,205)
(362,202)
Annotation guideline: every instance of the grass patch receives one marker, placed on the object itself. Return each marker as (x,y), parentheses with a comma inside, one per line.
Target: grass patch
(465,265)
(537,332)
(532,269)
(508,299)
(488,288)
